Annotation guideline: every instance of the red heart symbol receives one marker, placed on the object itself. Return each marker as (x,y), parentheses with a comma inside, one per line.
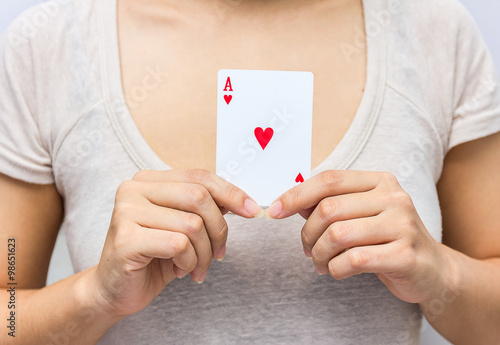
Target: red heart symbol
(263,136)
(299,178)
(228,98)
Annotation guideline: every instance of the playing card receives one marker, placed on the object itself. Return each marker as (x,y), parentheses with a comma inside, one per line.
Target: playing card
(264,130)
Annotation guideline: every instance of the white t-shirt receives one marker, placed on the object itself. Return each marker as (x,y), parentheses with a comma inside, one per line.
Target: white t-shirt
(431,85)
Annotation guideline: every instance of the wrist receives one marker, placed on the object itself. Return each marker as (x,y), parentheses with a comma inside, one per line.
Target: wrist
(91,301)
(449,285)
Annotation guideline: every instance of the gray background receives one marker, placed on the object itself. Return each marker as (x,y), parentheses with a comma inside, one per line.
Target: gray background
(486,14)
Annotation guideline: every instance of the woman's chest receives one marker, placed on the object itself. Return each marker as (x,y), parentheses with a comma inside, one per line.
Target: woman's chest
(169,75)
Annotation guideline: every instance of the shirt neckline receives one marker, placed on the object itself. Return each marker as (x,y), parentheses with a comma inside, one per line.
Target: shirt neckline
(342,157)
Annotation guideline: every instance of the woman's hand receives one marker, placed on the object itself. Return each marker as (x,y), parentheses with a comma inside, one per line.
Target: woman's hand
(364,222)
(165,224)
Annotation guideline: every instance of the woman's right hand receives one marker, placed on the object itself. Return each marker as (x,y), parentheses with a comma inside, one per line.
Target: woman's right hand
(165,224)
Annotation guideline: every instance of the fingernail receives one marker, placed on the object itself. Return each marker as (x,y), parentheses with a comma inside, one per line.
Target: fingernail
(261,214)
(275,210)
(202,278)
(219,256)
(318,271)
(252,207)
(308,253)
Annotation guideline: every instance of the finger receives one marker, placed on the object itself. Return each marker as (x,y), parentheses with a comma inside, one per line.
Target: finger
(225,194)
(193,198)
(307,213)
(337,208)
(384,258)
(347,234)
(323,185)
(156,243)
(190,224)
(223,210)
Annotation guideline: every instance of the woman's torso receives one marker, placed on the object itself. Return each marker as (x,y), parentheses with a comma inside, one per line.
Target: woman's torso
(266,290)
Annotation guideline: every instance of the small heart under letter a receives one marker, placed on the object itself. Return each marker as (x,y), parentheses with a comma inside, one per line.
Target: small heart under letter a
(263,136)
(228,98)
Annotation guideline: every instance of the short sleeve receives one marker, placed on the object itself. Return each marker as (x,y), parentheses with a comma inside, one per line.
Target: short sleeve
(23,154)
(477,93)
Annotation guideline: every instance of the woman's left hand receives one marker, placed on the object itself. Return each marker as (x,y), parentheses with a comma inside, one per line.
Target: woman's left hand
(364,222)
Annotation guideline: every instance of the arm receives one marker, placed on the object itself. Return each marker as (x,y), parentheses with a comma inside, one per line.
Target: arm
(32,215)
(165,225)
(364,222)
(469,191)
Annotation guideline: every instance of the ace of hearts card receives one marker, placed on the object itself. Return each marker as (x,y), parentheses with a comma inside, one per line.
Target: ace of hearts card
(264,130)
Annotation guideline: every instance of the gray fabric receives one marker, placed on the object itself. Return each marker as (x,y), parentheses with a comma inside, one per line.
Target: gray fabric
(63,119)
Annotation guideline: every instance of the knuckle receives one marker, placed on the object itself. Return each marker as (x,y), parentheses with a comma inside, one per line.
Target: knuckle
(293,197)
(331,179)
(407,224)
(193,224)
(316,255)
(231,191)
(222,233)
(326,208)
(123,210)
(180,244)
(122,237)
(401,198)
(357,260)
(333,271)
(199,195)
(199,176)
(338,233)
(389,178)
(305,239)
(125,189)
(142,175)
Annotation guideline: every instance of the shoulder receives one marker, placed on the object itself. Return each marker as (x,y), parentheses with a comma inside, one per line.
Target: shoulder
(48,42)
(441,20)
(47,26)
(429,29)
(431,11)
(436,36)
(49,58)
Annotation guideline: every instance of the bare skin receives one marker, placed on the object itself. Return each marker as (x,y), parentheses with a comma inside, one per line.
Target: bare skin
(175,35)
(191,43)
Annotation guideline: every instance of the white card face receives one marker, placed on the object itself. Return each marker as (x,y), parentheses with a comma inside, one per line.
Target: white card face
(264,130)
